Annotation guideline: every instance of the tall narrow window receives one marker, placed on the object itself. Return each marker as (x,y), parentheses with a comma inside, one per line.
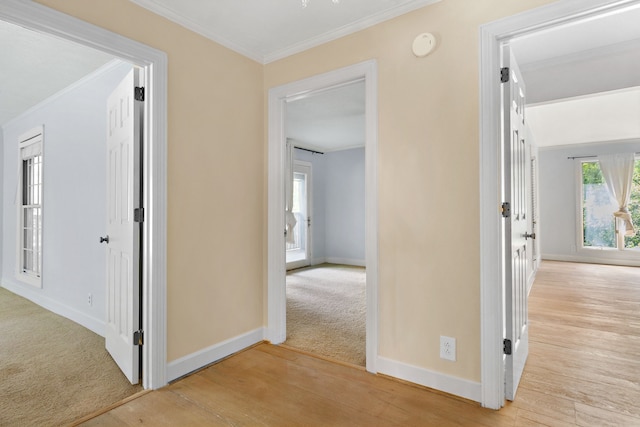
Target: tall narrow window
(30,207)
(598,222)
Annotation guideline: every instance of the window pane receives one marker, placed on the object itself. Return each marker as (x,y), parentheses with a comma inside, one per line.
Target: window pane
(597,209)
(633,242)
(31,250)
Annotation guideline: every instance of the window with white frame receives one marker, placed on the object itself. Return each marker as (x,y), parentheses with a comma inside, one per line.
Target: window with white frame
(599,226)
(30,207)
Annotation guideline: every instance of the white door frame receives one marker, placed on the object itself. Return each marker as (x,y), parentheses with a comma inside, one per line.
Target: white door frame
(154,63)
(276,294)
(492,35)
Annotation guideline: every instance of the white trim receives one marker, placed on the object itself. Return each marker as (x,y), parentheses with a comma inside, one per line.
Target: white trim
(195,361)
(154,62)
(491,37)
(204,31)
(258,55)
(32,294)
(588,144)
(593,259)
(30,143)
(435,380)
(276,294)
(346,261)
(351,28)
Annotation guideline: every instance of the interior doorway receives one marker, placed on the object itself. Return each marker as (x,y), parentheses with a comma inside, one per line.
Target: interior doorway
(326,301)
(154,69)
(279,97)
(493,37)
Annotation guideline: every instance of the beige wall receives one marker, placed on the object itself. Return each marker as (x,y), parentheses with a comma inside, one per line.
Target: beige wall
(215,133)
(428,164)
(429,260)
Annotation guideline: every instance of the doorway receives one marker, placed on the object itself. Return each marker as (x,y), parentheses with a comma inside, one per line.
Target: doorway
(154,64)
(326,304)
(278,98)
(493,36)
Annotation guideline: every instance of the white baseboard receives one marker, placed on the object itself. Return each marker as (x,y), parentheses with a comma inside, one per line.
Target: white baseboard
(95,325)
(346,261)
(593,259)
(194,361)
(457,386)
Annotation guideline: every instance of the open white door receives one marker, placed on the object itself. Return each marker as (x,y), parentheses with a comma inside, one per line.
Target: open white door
(515,168)
(123,232)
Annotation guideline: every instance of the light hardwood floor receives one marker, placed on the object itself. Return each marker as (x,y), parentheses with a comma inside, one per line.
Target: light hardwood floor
(583,369)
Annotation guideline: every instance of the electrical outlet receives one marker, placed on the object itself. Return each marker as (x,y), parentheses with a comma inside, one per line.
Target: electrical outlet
(448,348)
(90,300)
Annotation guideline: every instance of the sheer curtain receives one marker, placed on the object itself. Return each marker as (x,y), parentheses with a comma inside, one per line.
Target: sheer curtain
(290,218)
(617,170)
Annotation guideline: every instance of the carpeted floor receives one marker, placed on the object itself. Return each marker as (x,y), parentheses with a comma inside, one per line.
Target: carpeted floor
(52,370)
(326,312)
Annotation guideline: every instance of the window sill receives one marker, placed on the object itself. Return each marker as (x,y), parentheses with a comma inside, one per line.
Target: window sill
(30,280)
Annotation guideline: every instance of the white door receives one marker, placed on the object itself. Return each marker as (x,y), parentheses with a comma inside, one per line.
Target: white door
(123,233)
(516,167)
(299,252)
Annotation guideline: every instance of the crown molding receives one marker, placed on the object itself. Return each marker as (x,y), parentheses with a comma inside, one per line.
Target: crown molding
(265,58)
(345,30)
(198,29)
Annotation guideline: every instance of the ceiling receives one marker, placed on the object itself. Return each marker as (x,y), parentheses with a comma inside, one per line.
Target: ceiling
(270,30)
(583,80)
(34,67)
(593,56)
(331,120)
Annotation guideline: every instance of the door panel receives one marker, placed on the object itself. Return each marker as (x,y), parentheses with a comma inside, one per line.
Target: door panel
(123,250)
(516,165)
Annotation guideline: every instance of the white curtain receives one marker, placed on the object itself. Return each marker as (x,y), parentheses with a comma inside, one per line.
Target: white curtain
(617,170)
(290,219)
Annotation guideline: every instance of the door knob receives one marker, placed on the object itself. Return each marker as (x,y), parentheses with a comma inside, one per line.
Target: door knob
(527,235)
(104,239)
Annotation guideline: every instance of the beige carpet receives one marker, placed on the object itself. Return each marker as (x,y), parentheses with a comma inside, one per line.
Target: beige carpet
(52,370)
(326,312)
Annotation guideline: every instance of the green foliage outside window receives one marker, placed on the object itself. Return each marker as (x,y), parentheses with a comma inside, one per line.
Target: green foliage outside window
(599,226)
(634,208)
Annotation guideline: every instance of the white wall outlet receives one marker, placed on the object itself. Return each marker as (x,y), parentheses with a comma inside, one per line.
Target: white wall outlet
(90,300)
(448,348)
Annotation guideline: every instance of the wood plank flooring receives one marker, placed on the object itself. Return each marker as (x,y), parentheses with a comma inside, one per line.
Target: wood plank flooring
(583,369)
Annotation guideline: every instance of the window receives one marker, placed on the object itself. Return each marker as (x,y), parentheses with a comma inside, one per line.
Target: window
(30,207)
(598,223)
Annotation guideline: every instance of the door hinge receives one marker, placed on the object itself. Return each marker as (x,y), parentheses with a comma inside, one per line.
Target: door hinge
(138,215)
(505,210)
(504,74)
(138,337)
(139,93)
(507,346)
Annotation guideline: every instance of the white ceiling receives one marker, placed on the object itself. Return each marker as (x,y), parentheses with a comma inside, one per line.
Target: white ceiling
(604,117)
(582,80)
(269,30)
(330,120)
(34,67)
(593,56)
